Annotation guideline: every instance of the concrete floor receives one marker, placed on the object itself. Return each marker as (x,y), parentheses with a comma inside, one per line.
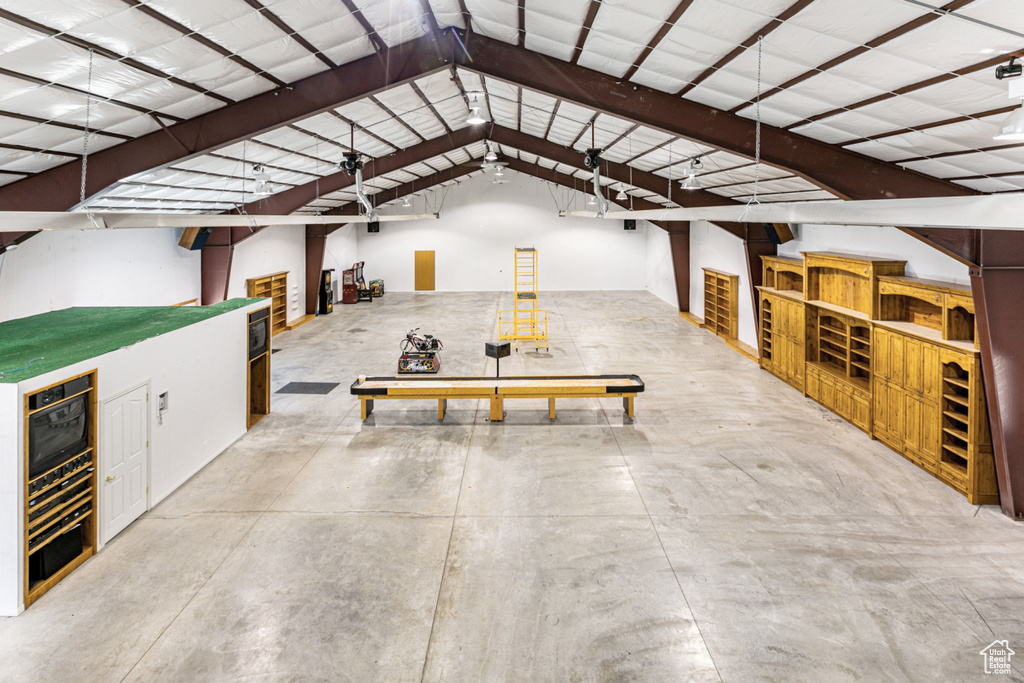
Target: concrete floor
(735,531)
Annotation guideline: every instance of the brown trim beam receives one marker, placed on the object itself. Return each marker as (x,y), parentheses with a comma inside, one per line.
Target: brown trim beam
(658,37)
(588,22)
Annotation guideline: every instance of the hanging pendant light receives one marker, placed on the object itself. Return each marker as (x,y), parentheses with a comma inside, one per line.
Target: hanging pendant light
(474,117)
(491,154)
(690,182)
(263,188)
(405,203)
(621,196)
(592,201)
(1012,127)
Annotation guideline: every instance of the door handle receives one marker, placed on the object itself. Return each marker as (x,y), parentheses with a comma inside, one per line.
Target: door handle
(110,479)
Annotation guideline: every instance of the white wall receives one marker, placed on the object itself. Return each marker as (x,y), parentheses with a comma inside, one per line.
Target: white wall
(481,224)
(661,273)
(713,247)
(203,368)
(272,250)
(341,249)
(922,260)
(59,269)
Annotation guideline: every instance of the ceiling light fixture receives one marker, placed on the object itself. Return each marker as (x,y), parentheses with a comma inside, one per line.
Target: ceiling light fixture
(474,118)
(1012,127)
(1009,71)
(263,188)
(405,202)
(498,172)
(491,154)
(592,201)
(690,182)
(621,196)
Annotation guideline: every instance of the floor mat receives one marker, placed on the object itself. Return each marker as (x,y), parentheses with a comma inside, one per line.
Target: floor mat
(307,388)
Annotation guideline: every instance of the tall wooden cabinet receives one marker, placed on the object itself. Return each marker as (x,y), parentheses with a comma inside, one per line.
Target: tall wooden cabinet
(720,303)
(894,355)
(275,288)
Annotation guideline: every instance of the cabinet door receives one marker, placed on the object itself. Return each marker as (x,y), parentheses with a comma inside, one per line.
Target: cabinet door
(931,372)
(912,365)
(813,385)
(931,425)
(881,405)
(828,391)
(860,411)
(880,357)
(912,417)
(842,404)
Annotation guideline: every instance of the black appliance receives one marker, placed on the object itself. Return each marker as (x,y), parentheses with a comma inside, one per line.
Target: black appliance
(259,328)
(60,430)
(56,555)
(326,298)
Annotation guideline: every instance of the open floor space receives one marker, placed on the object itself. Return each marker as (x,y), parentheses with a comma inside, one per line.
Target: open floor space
(734,531)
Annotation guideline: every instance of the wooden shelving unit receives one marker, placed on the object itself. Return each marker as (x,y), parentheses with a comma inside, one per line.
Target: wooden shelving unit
(275,288)
(258,376)
(894,355)
(720,303)
(61,498)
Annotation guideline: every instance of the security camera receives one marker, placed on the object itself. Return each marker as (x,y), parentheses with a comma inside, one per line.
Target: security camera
(592,159)
(351,163)
(1009,71)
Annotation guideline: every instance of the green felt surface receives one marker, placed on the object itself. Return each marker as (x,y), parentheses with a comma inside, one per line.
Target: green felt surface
(63,338)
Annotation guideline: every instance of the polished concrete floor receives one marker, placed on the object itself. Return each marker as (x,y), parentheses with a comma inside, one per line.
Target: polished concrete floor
(735,531)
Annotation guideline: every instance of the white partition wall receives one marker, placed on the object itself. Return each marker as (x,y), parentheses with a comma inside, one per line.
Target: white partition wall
(713,247)
(275,249)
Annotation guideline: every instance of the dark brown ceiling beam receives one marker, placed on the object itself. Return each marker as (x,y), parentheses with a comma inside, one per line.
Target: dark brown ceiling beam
(406,189)
(522,23)
(859,50)
(82,93)
(841,171)
(365,131)
(433,110)
(38,150)
(644,153)
(519,106)
(551,121)
(936,124)
(57,189)
(588,22)
(746,44)
(626,134)
(286,202)
(656,40)
(109,54)
(289,31)
(974,68)
(397,118)
(588,126)
(467,18)
(61,124)
(202,40)
(379,46)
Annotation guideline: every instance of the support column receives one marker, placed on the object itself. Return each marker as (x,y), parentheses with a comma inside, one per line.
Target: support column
(998,283)
(316,243)
(679,239)
(216,272)
(755,245)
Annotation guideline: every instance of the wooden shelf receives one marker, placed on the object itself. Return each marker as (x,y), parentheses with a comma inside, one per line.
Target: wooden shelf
(275,288)
(721,303)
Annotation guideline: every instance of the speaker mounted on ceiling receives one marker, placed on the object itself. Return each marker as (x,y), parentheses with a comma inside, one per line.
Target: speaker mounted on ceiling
(629,224)
(778,233)
(373,226)
(194,239)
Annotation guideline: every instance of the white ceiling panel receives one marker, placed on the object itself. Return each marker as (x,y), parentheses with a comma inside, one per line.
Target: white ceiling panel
(934,167)
(771,116)
(29,162)
(192,106)
(558,49)
(396,21)
(681,41)
(249,31)
(45,137)
(276,53)
(495,18)
(178,56)
(879,149)
(127,32)
(592,59)
(50,60)
(659,80)
(733,83)
(630,29)
(64,14)
(949,43)
(727,21)
(964,95)
(11,126)
(856,22)
(882,72)
(823,132)
(984,163)
(714,98)
(987,184)
(302,15)
(447,13)
(995,12)
(7,178)
(834,90)
(14,36)
(905,112)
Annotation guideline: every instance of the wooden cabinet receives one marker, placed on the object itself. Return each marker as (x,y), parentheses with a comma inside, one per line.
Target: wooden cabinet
(720,303)
(894,355)
(783,337)
(59,482)
(275,288)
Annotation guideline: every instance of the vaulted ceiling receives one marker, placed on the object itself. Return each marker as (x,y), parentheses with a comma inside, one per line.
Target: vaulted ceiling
(180,98)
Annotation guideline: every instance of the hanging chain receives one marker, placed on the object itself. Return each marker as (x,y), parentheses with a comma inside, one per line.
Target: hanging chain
(757,125)
(317,152)
(85,138)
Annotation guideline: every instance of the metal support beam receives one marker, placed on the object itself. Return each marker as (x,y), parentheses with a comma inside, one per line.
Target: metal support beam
(316,242)
(755,245)
(997,284)
(679,240)
(847,174)
(216,271)
(57,189)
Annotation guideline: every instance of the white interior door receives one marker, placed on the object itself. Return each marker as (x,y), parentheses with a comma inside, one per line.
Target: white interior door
(124,461)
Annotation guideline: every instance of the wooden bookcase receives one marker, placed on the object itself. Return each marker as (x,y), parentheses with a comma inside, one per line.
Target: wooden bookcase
(258,376)
(783,324)
(720,303)
(894,355)
(63,497)
(275,288)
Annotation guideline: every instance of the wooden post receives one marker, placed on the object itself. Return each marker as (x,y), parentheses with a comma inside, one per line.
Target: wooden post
(679,239)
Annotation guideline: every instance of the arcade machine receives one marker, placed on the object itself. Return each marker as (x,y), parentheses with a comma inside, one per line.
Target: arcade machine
(353,286)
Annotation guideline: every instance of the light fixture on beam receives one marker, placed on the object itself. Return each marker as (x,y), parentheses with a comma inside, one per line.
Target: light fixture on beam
(690,182)
(1012,127)
(474,118)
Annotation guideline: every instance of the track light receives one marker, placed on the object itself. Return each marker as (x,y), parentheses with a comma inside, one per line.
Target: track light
(1009,71)
(690,182)
(474,117)
(263,188)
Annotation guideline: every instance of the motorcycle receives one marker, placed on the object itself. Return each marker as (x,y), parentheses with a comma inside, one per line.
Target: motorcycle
(415,343)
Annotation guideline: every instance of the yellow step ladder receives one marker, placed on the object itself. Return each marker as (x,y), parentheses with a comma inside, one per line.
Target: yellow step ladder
(526,322)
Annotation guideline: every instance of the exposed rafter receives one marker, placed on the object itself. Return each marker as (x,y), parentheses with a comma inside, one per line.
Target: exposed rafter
(378,43)
(522,23)
(750,41)
(429,105)
(656,40)
(551,121)
(860,49)
(586,127)
(937,124)
(289,31)
(588,22)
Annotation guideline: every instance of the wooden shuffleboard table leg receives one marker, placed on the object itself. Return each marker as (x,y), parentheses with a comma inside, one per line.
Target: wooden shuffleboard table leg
(442,408)
(627,405)
(366,407)
(497,409)
(551,408)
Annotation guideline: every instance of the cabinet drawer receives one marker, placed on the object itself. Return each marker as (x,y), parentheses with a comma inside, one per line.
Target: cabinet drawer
(953,476)
(922,460)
